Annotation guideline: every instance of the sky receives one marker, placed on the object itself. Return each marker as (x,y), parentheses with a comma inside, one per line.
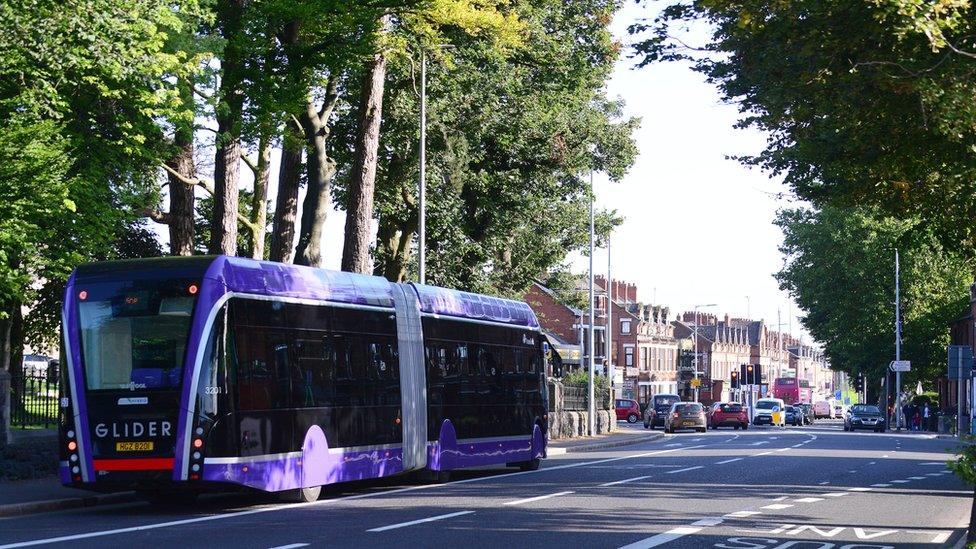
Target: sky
(698,227)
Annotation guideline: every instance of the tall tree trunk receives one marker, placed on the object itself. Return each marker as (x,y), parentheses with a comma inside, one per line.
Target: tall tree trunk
(181,196)
(321,169)
(259,204)
(5,328)
(286,205)
(394,244)
(362,183)
(223,239)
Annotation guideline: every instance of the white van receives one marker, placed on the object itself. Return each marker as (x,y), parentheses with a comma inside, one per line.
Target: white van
(823,409)
(770,411)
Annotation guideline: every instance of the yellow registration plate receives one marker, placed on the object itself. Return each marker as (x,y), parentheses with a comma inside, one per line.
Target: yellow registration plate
(133,446)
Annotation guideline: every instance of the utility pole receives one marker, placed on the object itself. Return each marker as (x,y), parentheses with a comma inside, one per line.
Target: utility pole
(898,418)
(592,346)
(422,194)
(608,358)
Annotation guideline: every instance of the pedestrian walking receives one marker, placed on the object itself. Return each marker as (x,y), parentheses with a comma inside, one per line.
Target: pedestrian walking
(927,417)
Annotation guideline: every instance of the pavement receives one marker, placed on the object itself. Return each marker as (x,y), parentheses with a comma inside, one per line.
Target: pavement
(809,487)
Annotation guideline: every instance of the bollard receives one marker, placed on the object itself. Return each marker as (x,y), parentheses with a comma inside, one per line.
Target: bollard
(4,408)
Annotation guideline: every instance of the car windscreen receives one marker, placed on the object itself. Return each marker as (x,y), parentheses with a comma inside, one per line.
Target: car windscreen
(866,409)
(664,400)
(134,333)
(767,405)
(688,408)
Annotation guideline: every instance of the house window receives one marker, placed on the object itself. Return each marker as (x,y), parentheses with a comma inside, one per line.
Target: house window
(629,356)
(625,326)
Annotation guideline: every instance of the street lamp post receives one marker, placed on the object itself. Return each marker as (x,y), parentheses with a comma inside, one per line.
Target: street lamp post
(591,359)
(695,341)
(422,194)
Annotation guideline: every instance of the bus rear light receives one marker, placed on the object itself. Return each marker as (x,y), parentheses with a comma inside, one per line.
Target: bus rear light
(193,289)
(195,476)
(72,446)
(77,478)
(198,443)
(83,295)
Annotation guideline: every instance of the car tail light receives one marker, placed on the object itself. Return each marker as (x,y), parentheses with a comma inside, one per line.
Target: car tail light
(676,414)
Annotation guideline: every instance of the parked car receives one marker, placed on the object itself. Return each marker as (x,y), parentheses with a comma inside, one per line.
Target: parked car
(628,409)
(794,416)
(685,415)
(808,415)
(770,411)
(656,409)
(865,416)
(728,414)
(840,411)
(823,409)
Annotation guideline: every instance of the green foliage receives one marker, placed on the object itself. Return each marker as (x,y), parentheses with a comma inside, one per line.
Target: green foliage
(858,110)
(840,270)
(581,378)
(965,463)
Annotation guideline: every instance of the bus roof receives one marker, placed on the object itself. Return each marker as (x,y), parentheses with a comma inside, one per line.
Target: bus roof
(243,275)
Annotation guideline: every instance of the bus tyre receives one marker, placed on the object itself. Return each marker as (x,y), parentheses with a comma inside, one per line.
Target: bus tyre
(427,476)
(302,495)
(531,465)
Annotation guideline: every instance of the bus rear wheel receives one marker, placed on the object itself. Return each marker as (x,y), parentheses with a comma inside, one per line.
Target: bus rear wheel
(531,465)
(302,495)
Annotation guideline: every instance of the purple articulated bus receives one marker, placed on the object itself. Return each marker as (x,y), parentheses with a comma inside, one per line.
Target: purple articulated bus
(191,374)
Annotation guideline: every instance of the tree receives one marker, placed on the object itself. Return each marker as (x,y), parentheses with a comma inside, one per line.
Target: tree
(858,109)
(840,270)
(510,131)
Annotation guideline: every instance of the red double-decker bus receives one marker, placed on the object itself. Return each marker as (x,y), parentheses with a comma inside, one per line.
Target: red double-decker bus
(793,390)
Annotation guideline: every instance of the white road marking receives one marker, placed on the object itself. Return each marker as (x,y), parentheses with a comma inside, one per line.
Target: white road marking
(917,478)
(697,439)
(420,521)
(759,442)
(728,461)
(933,474)
(686,469)
(781,498)
(743,514)
(273,508)
(859,489)
(661,539)
(626,480)
(782,449)
(777,506)
(825,482)
(930,463)
(882,485)
(808,500)
(900,482)
(872,462)
(673,444)
(827,495)
(762,454)
(537,498)
(946,471)
(884,456)
(712,521)
(292,546)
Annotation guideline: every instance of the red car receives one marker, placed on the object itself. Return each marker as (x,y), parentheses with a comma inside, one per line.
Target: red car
(728,414)
(628,409)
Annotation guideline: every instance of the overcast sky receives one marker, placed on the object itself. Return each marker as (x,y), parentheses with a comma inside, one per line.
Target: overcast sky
(698,227)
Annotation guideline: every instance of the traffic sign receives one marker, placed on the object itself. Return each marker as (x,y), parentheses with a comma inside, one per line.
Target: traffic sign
(960,362)
(901,365)
(696,383)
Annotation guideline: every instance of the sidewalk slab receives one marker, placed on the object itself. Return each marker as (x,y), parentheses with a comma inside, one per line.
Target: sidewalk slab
(34,496)
(613,440)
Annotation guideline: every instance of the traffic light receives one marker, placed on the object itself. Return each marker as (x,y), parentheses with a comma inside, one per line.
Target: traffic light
(750,374)
(757,375)
(735,379)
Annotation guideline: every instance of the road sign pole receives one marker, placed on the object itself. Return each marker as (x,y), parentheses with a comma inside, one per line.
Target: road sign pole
(898,413)
(959,399)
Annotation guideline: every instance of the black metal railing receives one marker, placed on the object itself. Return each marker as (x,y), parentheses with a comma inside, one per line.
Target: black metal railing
(34,401)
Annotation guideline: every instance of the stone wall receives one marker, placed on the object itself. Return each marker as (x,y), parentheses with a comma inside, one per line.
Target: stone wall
(573,424)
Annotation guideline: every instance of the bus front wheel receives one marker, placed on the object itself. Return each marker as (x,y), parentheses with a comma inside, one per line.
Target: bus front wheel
(302,495)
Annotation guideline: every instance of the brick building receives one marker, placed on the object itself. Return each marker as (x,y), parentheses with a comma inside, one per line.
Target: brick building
(723,345)
(643,344)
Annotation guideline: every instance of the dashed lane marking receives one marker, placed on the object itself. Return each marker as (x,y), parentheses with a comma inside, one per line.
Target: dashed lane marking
(537,498)
(933,474)
(626,480)
(777,506)
(743,514)
(859,489)
(881,485)
(834,494)
(666,537)
(917,478)
(825,482)
(420,521)
(292,546)
(933,463)
(808,500)
(900,482)
(762,454)
(728,461)
(686,469)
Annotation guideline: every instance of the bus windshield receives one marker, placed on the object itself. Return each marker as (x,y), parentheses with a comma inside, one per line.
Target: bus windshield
(134,333)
